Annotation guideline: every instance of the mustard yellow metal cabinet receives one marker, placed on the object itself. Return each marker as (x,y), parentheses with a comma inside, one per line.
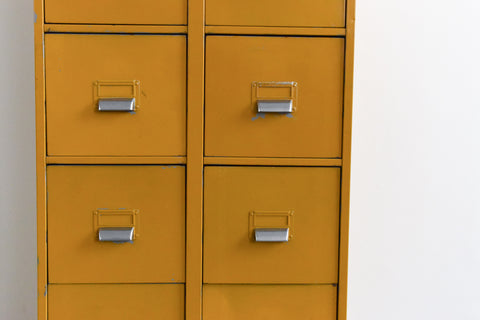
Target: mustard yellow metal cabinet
(193,158)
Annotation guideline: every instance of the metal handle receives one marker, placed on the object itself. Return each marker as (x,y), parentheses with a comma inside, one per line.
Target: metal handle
(117,104)
(117,235)
(278,106)
(271,234)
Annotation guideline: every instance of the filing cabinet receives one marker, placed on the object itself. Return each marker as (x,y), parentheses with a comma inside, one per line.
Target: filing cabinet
(113,301)
(116,12)
(193,158)
(86,202)
(276,13)
(84,71)
(241,72)
(243,202)
(269,302)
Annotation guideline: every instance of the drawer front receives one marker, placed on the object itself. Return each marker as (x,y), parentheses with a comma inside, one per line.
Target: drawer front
(245,207)
(116,11)
(273,13)
(278,302)
(116,302)
(86,73)
(251,82)
(86,203)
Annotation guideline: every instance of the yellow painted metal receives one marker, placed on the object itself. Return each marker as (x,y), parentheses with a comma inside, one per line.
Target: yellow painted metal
(278,302)
(113,28)
(74,64)
(233,194)
(42,276)
(324,18)
(116,302)
(195,124)
(116,11)
(293,31)
(116,160)
(117,90)
(297,162)
(277,13)
(169,29)
(232,125)
(347,142)
(275,91)
(79,194)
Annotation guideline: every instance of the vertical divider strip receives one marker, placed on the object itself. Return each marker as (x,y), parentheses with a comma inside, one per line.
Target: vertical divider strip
(40,136)
(346,156)
(194,194)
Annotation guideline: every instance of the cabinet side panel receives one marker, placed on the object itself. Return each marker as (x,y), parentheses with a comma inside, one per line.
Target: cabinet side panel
(40,160)
(346,156)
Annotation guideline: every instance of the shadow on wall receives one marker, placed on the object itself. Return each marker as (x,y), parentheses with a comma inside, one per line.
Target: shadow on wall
(17,164)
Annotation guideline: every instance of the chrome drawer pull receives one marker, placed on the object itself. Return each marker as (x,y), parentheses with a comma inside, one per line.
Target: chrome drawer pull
(117,235)
(271,235)
(278,106)
(117,104)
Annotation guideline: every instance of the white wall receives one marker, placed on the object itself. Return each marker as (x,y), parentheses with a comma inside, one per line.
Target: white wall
(415,218)
(415,204)
(17,162)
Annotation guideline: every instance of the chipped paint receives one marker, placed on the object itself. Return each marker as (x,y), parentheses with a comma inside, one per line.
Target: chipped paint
(35,17)
(46,291)
(259,115)
(122,242)
(169,166)
(262,115)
